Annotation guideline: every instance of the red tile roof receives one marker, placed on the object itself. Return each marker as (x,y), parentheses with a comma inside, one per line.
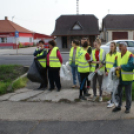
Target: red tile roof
(7,26)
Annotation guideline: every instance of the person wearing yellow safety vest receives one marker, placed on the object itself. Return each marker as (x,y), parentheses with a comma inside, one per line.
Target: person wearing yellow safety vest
(73,61)
(126,76)
(40,55)
(89,50)
(54,61)
(84,69)
(98,61)
(110,60)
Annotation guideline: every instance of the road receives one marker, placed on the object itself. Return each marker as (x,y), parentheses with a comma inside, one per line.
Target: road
(25,60)
(57,127)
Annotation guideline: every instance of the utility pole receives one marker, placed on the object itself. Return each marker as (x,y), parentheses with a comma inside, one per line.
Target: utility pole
(12,18)
(77,6)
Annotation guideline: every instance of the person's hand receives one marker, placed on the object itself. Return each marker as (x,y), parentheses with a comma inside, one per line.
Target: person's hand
(106,73)
(98,62)
(96,70)
(118,68)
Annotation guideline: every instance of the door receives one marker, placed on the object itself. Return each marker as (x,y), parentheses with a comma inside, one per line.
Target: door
(120,35)
(64,42)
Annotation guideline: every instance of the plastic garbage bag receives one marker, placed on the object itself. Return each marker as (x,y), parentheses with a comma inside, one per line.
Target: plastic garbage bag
(100,72)
(104,83)
(90,76)
(68,66)
(65,73)
(34,74)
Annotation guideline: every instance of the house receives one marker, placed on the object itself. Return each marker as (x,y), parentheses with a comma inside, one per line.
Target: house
(118,26)
(69,27)
(8,30)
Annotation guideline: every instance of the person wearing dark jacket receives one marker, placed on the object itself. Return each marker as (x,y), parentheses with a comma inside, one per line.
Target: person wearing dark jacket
(40,56)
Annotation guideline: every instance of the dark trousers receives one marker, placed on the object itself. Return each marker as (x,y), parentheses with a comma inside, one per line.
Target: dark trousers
(54,77)
(83,77)
(99,78)
(128,91)
(44,76)
(88,82)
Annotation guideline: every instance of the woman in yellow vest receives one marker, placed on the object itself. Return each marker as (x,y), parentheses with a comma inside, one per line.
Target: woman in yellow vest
(40,55)
(73,61)
(54,61)
(98,57)
(110,60)
(84,69)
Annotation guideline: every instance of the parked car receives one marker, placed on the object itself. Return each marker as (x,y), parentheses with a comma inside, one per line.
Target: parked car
(130,45)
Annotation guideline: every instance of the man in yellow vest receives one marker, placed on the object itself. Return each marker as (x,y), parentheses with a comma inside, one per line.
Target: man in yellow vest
(126,76)
(40,56)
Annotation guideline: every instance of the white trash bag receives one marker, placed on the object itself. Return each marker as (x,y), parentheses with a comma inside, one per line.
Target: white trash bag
(104,83)
(90,76)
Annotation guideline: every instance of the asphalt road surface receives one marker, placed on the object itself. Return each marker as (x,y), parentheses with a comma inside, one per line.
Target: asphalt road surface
(25,60)
(57,127)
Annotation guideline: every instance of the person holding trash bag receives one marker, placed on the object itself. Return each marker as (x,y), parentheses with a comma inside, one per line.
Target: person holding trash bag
(110,60)
(73,61)
(54,61)
(89,51)
(84,69)
(40,56)
(126,76)
(98,61)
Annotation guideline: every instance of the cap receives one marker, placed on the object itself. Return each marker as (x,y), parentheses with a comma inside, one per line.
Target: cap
(123,43)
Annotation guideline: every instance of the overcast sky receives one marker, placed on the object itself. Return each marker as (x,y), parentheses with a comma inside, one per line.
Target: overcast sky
(40,15)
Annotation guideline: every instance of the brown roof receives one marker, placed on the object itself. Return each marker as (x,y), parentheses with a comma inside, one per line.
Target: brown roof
(7,26)
(118,21)
(88,23)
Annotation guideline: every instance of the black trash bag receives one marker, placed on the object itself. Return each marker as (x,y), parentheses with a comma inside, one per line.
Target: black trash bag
(34,74)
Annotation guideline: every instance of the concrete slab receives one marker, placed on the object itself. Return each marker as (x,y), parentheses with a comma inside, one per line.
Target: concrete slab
(25,95)
(6,96)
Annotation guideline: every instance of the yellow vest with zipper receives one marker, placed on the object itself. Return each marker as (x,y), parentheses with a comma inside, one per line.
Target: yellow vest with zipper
(76,55)
(110,59)
(93,68)
(53,59)
(126,76)
(42,61)
(83,65)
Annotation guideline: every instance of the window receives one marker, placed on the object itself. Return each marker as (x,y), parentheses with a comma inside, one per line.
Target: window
(3,40)
(76,27)
(130,43)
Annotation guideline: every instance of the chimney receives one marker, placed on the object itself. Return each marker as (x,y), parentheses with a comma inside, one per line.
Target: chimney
(6,18)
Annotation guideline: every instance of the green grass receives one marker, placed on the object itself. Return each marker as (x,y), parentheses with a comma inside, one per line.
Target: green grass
(8,73)
(20,83)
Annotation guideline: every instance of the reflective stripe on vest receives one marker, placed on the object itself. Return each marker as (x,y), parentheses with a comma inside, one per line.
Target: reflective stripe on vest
(110,59)
(76,55)
(126,76)
(93,68)
(83,65)
(42,61)
(53,59)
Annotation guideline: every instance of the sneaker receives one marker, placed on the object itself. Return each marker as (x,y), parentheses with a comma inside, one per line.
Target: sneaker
(127,111)
(108,102)
(74,86)
(100,99)
(116,104)
(82,98)
(94,98)
(110,105)
(116,109)
(58,90)
(86,95)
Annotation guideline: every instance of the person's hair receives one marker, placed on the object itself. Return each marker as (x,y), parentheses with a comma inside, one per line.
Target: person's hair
(76,42)
(85,45)
(98,41)
(52,43)
(42,42)
(114,48)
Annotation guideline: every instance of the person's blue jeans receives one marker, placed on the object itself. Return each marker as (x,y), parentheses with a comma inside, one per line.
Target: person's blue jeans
(74,73)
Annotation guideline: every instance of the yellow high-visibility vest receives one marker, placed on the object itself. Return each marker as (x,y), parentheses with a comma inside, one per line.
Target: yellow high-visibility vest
(53,59)
(126,76)
(42,61)
(93,68)
(110,59)
(76,55)
(83,65)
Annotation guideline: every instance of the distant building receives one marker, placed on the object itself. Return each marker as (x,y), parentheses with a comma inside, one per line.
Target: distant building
(26,37)
(118,26)
(69,27)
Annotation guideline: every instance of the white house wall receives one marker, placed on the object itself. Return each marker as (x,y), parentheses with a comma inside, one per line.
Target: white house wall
(25,39)
(10,39)
(59,42)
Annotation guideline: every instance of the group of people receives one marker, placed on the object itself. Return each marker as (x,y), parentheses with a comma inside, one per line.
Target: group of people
(83,60)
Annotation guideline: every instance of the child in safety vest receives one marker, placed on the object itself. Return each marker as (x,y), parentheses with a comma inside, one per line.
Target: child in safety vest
(73,61)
